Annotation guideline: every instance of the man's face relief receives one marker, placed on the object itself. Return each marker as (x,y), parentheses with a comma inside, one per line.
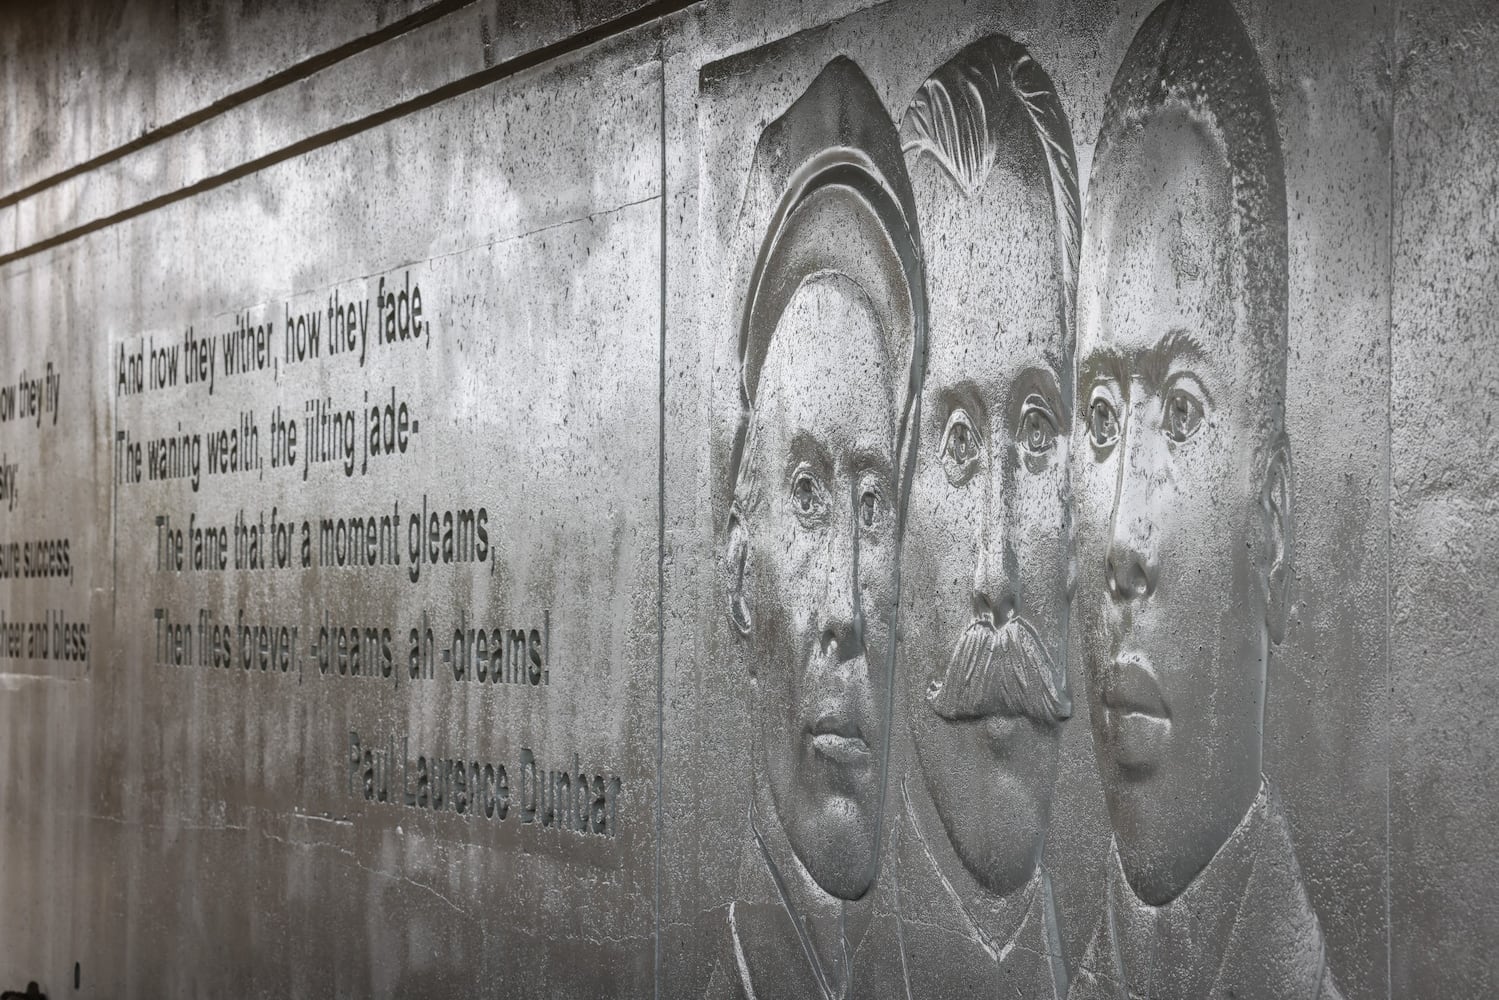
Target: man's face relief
(985,564)
(1175,484)
(821,535)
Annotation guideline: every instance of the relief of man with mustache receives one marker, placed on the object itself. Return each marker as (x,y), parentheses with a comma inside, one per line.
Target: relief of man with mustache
(1185,521)
(981,683)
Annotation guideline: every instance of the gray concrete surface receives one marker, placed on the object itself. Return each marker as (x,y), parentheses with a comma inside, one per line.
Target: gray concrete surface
(590,199)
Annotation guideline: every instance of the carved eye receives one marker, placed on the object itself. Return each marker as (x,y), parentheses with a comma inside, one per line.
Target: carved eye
(1183,415)
(960,447)
(808,499)
(1038,429)
(869,507)
(1103,422)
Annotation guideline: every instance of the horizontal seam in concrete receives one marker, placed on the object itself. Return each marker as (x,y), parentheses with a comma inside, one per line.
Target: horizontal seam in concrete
(290,75)
(536,57)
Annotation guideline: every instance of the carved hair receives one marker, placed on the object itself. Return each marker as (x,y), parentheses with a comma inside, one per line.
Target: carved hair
(838,201)
(974,108)
(1195,56)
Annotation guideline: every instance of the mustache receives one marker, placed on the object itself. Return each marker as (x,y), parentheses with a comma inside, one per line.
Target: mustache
(1000,670)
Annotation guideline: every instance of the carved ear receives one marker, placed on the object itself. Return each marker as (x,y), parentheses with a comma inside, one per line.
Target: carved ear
(735,561)
(1279,503)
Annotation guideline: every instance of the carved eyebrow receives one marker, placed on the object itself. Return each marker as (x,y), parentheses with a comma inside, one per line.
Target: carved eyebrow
(1177,345)
(1153,363)
(1104,363)
(805,447)
(865,458)
(964,393)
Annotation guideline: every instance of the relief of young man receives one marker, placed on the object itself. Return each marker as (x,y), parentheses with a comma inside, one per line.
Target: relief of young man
(1184,506)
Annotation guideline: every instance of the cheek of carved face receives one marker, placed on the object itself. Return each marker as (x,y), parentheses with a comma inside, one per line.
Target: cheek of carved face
(1168,481)
(823,567)
(985,559)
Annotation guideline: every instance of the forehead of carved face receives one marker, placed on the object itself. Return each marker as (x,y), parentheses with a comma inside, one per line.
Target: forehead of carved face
(822,534)
(1163,240)
(825,385)
(993,279)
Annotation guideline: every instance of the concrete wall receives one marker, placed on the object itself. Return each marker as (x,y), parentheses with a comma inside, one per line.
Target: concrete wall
(252,741)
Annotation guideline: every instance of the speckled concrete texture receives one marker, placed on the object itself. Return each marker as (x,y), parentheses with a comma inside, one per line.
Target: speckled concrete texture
(749,499)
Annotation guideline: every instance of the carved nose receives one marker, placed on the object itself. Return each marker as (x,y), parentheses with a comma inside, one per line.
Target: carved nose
(1131,564)
(993,608)
(841,638)
(995,568)
(843,621)
(1129,568)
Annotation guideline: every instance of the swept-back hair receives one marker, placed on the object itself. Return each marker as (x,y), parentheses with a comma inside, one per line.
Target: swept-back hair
(974,108)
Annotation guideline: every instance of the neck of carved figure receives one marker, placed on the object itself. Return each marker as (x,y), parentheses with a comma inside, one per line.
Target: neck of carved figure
(829,928)
(996,920)
(1174,951)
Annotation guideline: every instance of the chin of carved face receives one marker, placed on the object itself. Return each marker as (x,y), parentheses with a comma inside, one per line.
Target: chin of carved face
(990,780)
(1172,533)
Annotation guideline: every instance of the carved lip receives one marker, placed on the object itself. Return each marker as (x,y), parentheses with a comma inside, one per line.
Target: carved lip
(839,739)
(1131,688)
(847,750)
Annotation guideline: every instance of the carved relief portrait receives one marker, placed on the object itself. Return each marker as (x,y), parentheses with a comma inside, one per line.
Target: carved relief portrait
(830,348)
(1185,511)
(982,688)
